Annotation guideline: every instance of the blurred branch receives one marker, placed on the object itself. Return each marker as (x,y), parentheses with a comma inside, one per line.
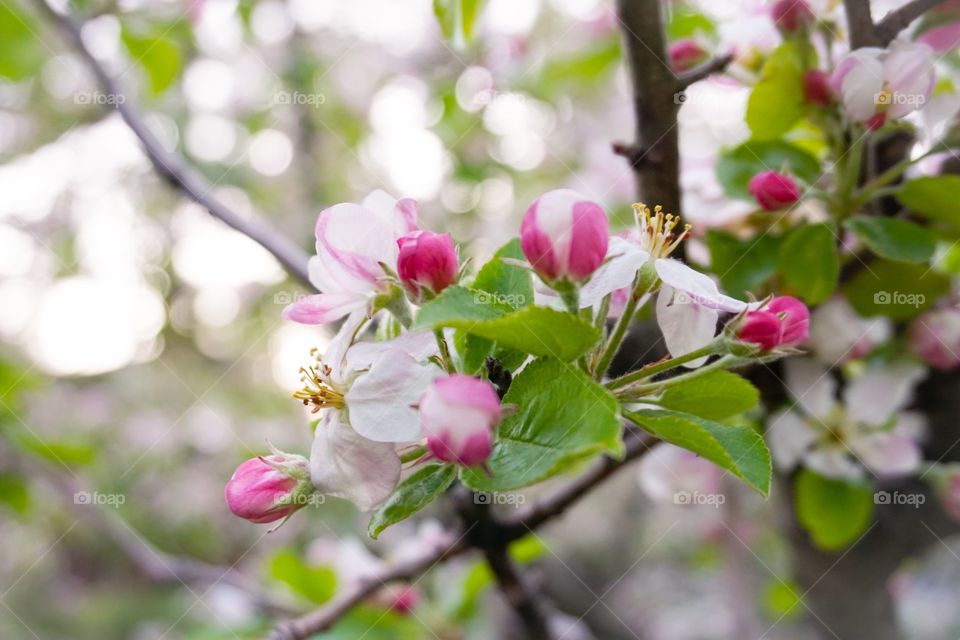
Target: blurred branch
(863,31)
(702,72)
(325,617)
(860,22)
(521,598)
(637,443)
(171,166)
(899,19)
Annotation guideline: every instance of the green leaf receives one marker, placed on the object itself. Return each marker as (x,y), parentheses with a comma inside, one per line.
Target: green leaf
(509,284)
(781,599)
(411,495)
(897,290)
(714,396)
(777,101)
(159,57)
(581,69)
(457,19)
(21,52)
(835,513)
(563,417)
(536,330)
(738,449)
(742,265)
(894,238)
(315,584)
(685,22)
(809,262)
(934,198)
(14,492)
(736,166)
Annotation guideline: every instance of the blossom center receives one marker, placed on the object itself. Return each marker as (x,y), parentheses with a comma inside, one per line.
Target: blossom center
(658,234)
(318,391)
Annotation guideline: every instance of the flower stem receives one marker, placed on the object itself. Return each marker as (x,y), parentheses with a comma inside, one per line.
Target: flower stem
(666,365)
(645,283)
(638,391)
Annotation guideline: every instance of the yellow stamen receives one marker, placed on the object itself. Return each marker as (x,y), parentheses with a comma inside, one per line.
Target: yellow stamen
(317,391)
(656,229)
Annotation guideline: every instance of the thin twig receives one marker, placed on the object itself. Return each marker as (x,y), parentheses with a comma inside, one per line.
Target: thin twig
(540,512)
(172,167)
(325,617)
(899,19)
(863,33)
(716,65)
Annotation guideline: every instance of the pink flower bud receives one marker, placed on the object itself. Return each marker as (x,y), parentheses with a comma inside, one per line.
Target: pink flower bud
(686,54)
(794,319)
(934,337)
(773,190)
(427,260)
(459,414)
(564,236)
(402,599)
(816,88)
(267,488)
(792,15)
(762,328)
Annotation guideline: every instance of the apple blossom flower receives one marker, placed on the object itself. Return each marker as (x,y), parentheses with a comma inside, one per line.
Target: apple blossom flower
(459,414)
(686,54)
(816,88)
(354,242)
(878,85)
(774,191)
(666,472)
(564,236)
(688,304)
(838,334)
(268,488)
(364,394)
(950,492)
(372,384)
(934,337)
(838,440)
(426,260)
(791,16)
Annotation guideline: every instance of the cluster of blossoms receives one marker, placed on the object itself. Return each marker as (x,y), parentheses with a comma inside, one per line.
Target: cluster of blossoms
(385,407)
(869,87)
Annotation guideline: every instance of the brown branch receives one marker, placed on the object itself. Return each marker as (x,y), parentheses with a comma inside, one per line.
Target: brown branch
(705,70)
(637,443)
(655,102)
(172,167)
(328,615)
(899,19)
(520,597)
(863,33)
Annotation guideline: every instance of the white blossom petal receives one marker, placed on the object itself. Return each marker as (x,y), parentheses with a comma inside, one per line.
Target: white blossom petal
(833,462)
(888,453)
(790,437)
(686,326)
(380,401)
(812,386)
(623,260)
(345,465)
(874,397)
